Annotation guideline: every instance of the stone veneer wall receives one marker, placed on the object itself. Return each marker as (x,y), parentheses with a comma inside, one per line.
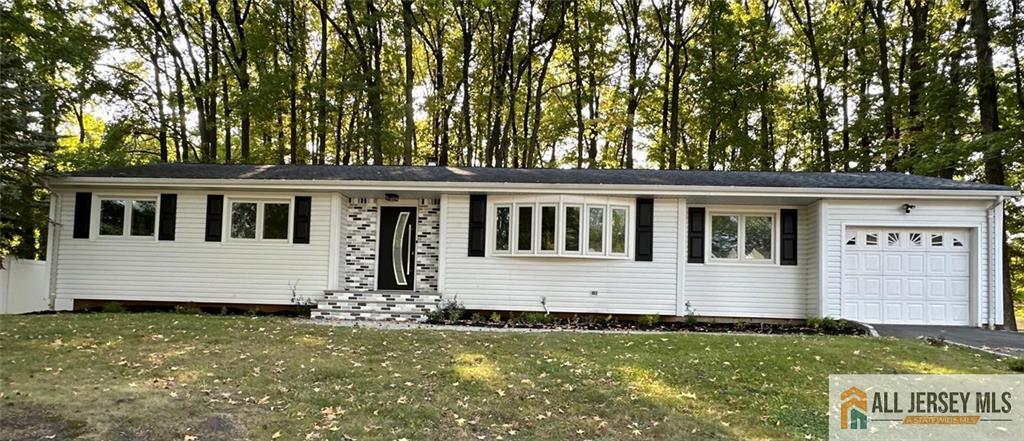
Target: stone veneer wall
(360,244)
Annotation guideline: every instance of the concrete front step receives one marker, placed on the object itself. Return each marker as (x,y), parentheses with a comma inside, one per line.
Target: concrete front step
(381,296)
(378,306)
(321,314)
(375,305)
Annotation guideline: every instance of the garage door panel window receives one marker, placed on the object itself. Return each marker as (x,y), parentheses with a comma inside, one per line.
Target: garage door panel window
(894,239)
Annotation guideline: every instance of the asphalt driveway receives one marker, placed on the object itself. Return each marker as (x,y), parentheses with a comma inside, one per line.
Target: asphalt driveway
(1003,342)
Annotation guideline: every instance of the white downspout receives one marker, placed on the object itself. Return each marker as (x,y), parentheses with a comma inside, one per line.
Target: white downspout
(993,242)
(53,245)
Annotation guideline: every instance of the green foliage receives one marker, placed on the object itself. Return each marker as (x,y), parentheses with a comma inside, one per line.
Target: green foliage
(495,317)
(1015,364)
(187,308)
(532,318)
(648,320)
(113,307)
(449,310)
(829,324)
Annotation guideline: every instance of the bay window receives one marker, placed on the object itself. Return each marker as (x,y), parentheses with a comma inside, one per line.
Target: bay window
(524,228)
(742,237)
(572,229)
(618,230)
(548,219)
(595,230)
(597,227)
(502,226)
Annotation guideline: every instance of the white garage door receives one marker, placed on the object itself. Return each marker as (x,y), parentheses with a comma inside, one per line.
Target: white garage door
(906,276)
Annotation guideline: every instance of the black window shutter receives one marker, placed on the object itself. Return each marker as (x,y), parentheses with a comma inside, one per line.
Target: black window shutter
(695,236)
(788,236)
(300,225)
(644,230)
(83,215)
(168,215)
(214,217)
(477,224)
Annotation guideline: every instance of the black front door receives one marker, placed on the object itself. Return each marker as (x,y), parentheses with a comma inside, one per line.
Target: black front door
(397,248)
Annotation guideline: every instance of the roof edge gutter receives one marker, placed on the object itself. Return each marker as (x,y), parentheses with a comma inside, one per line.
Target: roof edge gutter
(504,187)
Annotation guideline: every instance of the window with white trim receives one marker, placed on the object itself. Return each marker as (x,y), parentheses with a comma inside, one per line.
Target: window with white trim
(266,220)
(572,220)
(739,237)
(131,217)
(561,226)
(502,227)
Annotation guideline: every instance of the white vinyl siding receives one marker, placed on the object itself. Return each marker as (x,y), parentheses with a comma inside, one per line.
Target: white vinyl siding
(808,257)
(189,269)
(754,290)
(890,213)
(623,286)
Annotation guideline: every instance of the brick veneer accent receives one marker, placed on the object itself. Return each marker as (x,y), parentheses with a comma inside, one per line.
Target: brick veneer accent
(360,244)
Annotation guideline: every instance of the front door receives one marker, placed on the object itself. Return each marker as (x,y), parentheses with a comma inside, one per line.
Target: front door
(397,249)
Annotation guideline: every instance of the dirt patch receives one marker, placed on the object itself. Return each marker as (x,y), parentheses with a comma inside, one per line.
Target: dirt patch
(20,420)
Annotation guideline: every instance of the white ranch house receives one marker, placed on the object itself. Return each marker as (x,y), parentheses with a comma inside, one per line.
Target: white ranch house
(391,242)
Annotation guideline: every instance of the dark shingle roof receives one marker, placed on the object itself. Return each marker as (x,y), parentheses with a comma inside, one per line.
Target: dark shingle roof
(868,180)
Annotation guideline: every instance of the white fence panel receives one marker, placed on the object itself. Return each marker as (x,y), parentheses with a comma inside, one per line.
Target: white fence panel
(24,286)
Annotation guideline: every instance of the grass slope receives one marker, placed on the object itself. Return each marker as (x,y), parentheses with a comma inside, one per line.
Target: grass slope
(175,376)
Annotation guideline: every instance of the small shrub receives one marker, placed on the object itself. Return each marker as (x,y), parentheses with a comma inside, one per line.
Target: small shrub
(495,317)
(1015,364)
(449,310)
(303,305)
(187,308)
(648,320)
(477,317)
(534,318)
(691,315)
(113,307)
(830,325)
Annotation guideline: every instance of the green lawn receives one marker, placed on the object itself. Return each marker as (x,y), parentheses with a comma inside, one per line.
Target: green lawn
(175,376)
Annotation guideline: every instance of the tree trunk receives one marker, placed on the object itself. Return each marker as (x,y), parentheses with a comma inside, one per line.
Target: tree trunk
(321,110)
(467,53)
(161,117)
(409,134)
(918,11)
(227,120)
(988,109)
(877,8)
(214,60)
(577,89)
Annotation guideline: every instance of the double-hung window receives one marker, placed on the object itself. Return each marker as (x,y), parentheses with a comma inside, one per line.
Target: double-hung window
(127,217)
(561,226)
(740,237)
(251,219)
